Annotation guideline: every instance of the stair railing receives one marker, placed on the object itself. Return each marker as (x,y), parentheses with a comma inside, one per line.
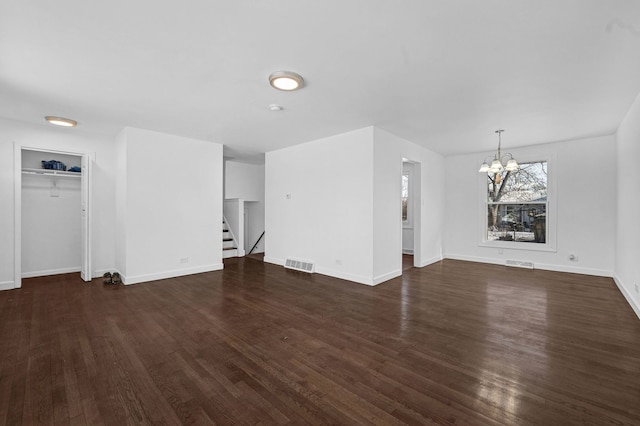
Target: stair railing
(256,244)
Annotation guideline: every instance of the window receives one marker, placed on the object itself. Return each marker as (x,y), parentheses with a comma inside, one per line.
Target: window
(405,198)
(517,205)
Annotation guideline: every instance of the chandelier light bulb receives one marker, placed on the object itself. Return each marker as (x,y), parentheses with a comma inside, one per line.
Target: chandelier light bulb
(512,165)
(496,166)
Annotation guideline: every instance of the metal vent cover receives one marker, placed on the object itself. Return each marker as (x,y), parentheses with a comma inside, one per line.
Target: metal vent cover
(299,265)
(520,264)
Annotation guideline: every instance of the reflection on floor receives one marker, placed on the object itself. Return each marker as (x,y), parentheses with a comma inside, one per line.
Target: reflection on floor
(407,261)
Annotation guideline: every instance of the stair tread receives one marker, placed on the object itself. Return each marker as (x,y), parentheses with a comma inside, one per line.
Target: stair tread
(229,248)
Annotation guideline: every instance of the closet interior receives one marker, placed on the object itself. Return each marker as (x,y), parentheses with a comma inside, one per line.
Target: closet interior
(51,213)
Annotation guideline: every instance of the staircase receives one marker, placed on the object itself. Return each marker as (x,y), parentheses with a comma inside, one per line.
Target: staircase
(229,248)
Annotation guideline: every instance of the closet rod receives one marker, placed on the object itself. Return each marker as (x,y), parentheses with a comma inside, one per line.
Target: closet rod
(48,172)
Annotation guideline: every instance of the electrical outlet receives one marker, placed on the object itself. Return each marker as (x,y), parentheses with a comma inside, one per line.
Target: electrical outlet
(184,260)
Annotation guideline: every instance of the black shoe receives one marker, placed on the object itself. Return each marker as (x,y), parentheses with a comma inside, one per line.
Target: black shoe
(108,278)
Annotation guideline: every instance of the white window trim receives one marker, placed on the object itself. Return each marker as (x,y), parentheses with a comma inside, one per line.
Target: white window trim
(552,211)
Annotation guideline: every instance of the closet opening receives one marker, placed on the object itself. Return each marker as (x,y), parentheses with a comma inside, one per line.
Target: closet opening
(52,228)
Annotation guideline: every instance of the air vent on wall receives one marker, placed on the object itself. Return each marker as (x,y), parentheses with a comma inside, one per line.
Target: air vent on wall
(520,264)
(299,265)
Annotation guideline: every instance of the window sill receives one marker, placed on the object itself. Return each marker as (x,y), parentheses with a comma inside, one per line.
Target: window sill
(518,246)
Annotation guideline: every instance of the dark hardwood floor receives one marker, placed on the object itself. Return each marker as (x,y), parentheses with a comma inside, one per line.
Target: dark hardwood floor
(407,262)
(453,343)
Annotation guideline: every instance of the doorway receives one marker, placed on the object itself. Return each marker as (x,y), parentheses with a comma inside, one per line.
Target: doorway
(411,213)
(52,221)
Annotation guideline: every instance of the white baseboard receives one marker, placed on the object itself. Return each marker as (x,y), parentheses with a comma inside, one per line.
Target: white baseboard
(50,272)
(542,266)
(386,277)
(428,262)
(136,279)
(98,273)
(630,300)
(574,270)
(329,272)
(7,285)
(474,259)
(345,276)
(407,251)
(273,260)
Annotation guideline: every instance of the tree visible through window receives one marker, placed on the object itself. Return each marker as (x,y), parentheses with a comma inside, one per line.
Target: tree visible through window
(517,204)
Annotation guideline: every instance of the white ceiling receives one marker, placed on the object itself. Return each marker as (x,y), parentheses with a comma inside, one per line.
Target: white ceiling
(443,74)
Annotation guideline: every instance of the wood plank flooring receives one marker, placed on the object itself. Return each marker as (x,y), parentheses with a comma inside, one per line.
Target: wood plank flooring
(453,343)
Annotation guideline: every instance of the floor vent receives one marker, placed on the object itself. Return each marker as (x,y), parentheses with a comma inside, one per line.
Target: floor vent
(299,266)
(520,264)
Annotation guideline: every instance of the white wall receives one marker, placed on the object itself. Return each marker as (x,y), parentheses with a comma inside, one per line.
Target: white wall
(328,218)
(51,222)
(344,213)
(428,169)
(627,270)
(584,178)
(387,209)
(246,182)
(407,240)
(172,212)
(120,205)
(62,139)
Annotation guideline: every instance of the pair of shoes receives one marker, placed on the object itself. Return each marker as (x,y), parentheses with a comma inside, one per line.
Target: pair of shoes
(110,278)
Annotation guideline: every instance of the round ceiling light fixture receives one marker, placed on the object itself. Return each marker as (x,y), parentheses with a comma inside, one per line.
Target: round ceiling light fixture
(59,121)
(286,80)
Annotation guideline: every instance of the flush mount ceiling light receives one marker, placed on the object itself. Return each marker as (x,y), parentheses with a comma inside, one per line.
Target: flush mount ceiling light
(286,80)
(497,164)
(59,121)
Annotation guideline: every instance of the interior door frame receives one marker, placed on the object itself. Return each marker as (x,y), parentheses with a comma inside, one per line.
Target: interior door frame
(416,201)
(86,187)
(86,269)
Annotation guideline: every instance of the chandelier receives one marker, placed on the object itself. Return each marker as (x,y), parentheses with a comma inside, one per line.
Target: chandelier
(497,164)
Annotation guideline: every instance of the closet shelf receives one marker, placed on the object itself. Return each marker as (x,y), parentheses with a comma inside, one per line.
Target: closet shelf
(51,172)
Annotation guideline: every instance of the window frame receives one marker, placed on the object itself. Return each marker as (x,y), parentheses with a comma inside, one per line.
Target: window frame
(550,240)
